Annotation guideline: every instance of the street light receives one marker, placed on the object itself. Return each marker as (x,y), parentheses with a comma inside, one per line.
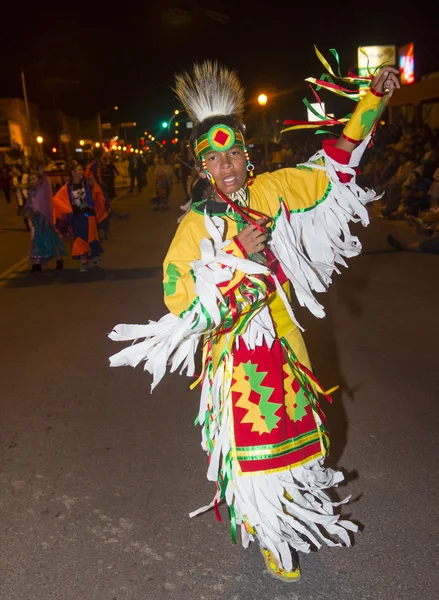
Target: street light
(40,139)
(54,150)
(97,144)
(262,99)
(176,111)
(81,142)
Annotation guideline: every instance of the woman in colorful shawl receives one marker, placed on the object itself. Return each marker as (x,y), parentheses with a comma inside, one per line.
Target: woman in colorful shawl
(45,242)
(75,214)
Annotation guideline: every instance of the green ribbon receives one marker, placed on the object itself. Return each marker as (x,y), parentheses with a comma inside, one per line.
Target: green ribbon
(334,53)
(228,462)
(233,523)
(206,426)
(324,77)
(313,110)
(301,377)
(319,131)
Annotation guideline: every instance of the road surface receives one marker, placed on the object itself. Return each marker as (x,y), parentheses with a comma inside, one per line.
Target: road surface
(98,476)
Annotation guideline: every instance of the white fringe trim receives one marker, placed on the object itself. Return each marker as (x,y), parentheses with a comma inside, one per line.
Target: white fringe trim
(309,245)
(174,340)
(309,518)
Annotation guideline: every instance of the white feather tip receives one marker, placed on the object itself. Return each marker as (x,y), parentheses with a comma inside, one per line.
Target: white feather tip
(210,89)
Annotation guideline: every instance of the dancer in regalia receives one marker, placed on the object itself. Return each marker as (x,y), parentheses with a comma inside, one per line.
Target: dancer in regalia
(235,262)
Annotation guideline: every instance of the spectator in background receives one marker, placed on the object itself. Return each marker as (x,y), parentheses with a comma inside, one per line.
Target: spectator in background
(391,162)
(414,197)
(163,169)
(433,192)
(394,185)
(101,197)
(135,172)
(45,243)
(75,215)
(5,184)
(109,172)
(177,166)
(143,171)
(429,161)
(20,181)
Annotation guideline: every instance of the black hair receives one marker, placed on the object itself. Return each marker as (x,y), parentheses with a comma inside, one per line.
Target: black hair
(204,126)
(73,166)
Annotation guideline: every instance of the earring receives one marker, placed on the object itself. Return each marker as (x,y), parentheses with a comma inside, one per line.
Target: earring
(208,173)
(250,168)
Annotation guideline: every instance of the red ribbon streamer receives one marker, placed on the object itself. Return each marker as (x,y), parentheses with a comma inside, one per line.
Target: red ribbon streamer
(241,212)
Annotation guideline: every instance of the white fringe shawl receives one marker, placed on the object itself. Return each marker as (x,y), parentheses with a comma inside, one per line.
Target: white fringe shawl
(309,245)
(174,340)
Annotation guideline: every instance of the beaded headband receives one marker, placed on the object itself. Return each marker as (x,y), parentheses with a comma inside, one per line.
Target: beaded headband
(219,138)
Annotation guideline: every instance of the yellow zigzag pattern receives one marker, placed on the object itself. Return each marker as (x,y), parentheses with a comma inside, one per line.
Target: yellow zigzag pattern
(291,398)
(253,415)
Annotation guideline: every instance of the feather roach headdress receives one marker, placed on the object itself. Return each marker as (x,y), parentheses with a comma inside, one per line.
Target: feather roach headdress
(214,100)
(209,90)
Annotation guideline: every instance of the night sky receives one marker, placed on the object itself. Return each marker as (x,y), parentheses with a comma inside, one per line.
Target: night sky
(82,58)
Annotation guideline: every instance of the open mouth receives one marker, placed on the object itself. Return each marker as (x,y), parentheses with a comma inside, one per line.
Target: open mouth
(230,181)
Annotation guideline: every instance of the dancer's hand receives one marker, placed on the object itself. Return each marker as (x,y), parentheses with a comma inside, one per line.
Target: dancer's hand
(252,239)
(386,81)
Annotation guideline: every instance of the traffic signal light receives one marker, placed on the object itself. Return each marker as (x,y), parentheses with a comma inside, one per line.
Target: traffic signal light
(164,124)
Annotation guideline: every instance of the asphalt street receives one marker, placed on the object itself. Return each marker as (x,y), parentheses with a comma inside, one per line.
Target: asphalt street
(97,476)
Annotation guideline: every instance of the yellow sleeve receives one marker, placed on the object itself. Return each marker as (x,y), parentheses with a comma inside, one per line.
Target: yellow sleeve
(179,278)
(300,189)
(179,281)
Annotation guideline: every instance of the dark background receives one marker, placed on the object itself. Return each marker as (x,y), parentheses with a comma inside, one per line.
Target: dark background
(86,57)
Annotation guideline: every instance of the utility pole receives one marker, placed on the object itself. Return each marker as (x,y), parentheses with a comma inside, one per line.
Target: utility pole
(23,81)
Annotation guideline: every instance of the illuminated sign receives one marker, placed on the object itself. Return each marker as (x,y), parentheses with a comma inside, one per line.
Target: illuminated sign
(407,63)
(372,57)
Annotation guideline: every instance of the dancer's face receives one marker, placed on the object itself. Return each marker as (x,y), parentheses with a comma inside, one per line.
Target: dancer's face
(227,168)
